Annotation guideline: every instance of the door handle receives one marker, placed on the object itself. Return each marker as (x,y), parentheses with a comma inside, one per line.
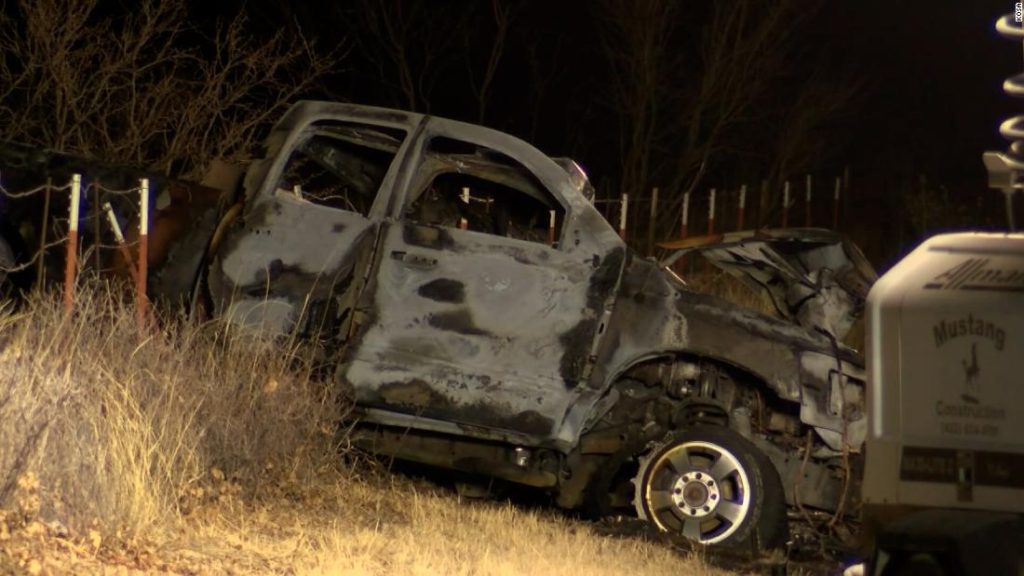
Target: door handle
(413,260)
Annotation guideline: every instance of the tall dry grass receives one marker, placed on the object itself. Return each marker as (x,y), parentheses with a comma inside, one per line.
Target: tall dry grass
(735,291)
(731,289)
(393,525)
(127,428)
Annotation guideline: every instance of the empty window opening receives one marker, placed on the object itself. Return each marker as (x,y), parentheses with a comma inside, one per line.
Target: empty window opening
(340,165)
(473,188)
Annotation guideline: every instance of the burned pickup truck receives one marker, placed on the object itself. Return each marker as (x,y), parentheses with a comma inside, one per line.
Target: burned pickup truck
(488,320)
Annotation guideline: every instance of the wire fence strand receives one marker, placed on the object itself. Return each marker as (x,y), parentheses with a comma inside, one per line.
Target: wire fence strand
(59,225)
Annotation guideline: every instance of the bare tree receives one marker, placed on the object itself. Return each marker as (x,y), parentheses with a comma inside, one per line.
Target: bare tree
(636,41)
(707,89)
(142,86)
(743,52)
(543,69)
(798,146)
(504,13)
(407,41)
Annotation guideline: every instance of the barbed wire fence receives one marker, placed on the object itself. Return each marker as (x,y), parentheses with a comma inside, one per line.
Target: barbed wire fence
(640,221)
(805,202)
(101,219)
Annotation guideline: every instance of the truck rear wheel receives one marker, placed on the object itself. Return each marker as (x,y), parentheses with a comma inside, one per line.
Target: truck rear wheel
(712,486)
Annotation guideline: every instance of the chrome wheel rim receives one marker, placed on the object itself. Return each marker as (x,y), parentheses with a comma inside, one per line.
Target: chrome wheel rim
(697,489)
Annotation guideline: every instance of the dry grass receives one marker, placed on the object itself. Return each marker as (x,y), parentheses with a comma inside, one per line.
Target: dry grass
(405,527)
(735,291)
(711,280)
(125,427)
(198,449)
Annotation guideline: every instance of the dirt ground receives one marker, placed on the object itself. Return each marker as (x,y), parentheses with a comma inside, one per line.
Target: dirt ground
(342,526)
(376,525)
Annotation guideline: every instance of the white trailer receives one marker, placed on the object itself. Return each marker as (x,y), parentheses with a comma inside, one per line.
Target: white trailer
(943,489)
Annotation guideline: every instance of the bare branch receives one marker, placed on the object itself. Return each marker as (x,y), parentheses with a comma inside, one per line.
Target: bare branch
(503,13)
(137,87)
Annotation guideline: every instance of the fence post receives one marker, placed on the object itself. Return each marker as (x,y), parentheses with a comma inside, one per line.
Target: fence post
(551,228)
(71,260)
(742,208)
(122,246)
(785,205)
(464,196)
(835,205)
(142,299)
(807,204)
(622,216)
(711,213)
(686,216)
(653,221)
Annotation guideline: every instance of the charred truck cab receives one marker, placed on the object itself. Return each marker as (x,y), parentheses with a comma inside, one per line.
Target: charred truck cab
(488,320)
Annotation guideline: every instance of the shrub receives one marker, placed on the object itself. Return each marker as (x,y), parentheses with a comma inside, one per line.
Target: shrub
(128,428)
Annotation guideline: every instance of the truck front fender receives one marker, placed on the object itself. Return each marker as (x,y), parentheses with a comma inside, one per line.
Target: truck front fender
(654,318)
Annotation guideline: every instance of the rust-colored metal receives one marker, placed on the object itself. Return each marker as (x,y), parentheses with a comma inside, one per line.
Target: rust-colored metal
(122,246)
(71,260)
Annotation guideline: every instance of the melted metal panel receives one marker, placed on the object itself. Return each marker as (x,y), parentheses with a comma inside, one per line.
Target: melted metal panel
(476,329)
(652,317)
(289,253)
(833,390)
(816,277)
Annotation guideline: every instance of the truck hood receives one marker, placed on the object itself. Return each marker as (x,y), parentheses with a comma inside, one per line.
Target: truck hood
(815,277)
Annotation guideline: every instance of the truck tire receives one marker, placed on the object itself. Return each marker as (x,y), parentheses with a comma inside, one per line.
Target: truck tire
(712,486)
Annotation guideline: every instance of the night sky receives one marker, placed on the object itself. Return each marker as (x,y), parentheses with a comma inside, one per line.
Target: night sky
(936,104)
(928,102)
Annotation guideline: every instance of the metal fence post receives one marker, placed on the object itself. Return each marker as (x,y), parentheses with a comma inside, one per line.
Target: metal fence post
(71,260)
(142,300)
(622,215)
(807,204)
(785,205)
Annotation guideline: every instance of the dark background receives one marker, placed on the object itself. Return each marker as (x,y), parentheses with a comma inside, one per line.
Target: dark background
(898,98)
